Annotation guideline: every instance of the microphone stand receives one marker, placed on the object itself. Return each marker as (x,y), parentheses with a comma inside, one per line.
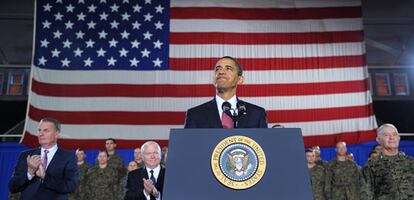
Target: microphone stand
(235,116)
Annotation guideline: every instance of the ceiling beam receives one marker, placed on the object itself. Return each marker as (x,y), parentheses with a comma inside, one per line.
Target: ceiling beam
(386,48)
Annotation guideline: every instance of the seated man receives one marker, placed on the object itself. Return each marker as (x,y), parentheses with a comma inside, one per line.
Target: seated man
(147,182)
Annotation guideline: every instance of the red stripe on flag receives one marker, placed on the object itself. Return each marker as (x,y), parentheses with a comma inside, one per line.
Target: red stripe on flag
(320,114)
(348,137)
(109,117)
(201,90)
(191,64)
(309,141)
(265,13)
(32,141)
(266,38)
(177,118)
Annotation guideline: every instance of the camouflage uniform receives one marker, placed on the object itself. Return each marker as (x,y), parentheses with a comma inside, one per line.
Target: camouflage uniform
(343,180)
(101,184)
(317,176)
(14,196)
(117,162)
(322,163)
(79,192)
(390,177)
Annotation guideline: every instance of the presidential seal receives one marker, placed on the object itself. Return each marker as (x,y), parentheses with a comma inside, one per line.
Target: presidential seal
(238,162)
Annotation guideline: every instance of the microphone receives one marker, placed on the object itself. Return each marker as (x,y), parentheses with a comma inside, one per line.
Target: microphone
(241,108)
(226,106)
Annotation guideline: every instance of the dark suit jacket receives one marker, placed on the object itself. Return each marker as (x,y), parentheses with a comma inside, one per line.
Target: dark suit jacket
(135,184)
(206,116)
(61,177)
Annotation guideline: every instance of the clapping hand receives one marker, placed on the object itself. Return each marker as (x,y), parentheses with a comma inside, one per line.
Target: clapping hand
(33,163)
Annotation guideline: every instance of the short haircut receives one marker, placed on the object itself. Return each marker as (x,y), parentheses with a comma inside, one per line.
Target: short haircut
(278,126)
(80,149)
(146,144)
(112,139)
(104,151)
(54,121)
(309,150)
(341,142)
(380,130)
(316,148)
(239,67)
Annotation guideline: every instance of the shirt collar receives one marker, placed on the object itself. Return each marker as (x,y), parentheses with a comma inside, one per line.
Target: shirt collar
(220,101)
(51,150)
(156,171)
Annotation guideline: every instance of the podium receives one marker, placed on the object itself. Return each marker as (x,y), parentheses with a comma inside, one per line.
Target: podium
(206,164)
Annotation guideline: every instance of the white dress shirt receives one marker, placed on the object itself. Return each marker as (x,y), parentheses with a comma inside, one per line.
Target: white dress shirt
(232,101)
(50,155)
(156,174)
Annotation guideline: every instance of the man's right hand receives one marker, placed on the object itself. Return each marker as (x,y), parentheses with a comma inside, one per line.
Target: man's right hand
(33,163)
(41,172)
(148,185)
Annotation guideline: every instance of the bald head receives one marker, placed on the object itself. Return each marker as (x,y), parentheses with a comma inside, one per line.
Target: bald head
(341,149)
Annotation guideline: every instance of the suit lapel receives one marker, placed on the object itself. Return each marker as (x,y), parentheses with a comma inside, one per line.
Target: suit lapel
(160,178)
(214,116)
(55,159)
(144,173)
(35,152)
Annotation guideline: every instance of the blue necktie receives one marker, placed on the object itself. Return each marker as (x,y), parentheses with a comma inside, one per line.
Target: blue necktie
(152,177)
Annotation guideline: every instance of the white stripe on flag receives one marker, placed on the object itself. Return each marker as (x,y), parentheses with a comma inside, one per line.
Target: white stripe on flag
(143,132)
(265,3)
(95,131)
(266,51)
(332,126)
(196,77)
(265,26)
(182,104)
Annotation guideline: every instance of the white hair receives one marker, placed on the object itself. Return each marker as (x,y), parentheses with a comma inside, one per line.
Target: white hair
(380,130)
(146,144)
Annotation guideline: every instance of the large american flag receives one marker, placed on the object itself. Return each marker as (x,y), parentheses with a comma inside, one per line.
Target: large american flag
(130,69)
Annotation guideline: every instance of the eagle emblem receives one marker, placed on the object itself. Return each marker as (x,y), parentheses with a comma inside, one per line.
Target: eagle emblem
(238,162)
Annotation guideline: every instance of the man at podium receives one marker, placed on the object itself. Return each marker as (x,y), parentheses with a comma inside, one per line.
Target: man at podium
(226,110)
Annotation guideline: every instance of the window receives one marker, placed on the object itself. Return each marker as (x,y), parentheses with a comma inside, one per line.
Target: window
(401,86)
(382,84)
(16,83)
(371,89)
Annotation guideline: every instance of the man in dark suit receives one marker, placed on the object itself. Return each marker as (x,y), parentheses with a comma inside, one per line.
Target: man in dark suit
(228,74)
(146,183)
(48,172)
